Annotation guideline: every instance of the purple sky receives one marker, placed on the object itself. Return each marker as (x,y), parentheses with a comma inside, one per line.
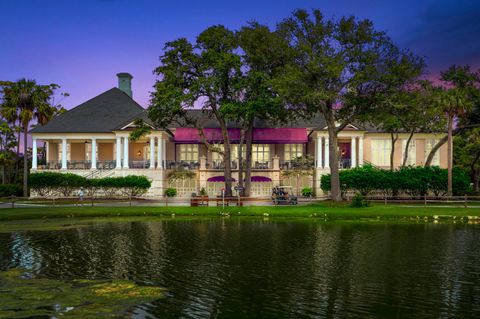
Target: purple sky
(82,44)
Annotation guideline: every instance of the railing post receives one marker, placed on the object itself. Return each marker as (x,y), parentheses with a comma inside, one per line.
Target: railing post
(425,200)
(385,198)
(465,198)
(13,201)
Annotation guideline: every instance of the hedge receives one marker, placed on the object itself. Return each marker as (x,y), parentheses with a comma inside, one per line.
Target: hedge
(7,190)
(53,184)
(412,180)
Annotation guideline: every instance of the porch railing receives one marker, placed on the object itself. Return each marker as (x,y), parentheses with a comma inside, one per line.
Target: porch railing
(80,165)
(190,165)
(221,165)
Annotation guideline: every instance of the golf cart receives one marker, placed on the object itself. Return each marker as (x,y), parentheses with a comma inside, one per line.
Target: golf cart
(283,195)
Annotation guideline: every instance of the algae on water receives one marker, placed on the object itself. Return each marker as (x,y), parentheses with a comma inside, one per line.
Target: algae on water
(23,296)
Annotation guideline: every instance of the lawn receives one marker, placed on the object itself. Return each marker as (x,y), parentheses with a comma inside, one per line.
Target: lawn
(324,210)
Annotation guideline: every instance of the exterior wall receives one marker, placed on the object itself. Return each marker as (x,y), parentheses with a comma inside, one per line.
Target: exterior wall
(443,155)
(134,149)
(420,160)
(77,151)
(398,156)
(53,151)
(106,151)
(170,150)
(107,148)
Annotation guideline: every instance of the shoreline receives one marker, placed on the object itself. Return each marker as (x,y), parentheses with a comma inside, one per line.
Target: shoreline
(319,211)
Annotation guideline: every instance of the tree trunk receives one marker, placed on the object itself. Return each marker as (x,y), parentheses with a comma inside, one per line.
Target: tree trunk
(25,161)
(227,158)
(394,138)
(476,179)
(333,157)
(240,160)
(450,156)
(248,159)
(475,172)
(3,174)
(434,149)
(405,155)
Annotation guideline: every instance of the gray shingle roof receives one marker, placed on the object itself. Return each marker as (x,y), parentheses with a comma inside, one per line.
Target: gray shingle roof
(317,122)
(106,112)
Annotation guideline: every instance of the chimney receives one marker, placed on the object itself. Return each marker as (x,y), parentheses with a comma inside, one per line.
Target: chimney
(125,82)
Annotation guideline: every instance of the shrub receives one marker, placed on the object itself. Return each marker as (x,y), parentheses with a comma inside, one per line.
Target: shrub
(10,190)
(412,180)
(307,192)
(171,192)
(358,201)
(134,185)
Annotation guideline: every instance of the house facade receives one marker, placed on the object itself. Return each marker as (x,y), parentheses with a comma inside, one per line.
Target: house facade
(92,140)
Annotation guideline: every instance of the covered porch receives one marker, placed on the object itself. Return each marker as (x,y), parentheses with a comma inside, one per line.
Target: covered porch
(98,152)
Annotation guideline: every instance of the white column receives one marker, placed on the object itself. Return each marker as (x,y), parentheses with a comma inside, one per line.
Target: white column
(94,153)
(319,151)
(360,151)
(164,153)
(64,153)
(125,152)
(119,152)
(34,153)
(47,151)
(327,153)
(353,152)
(159,153)
(152,152)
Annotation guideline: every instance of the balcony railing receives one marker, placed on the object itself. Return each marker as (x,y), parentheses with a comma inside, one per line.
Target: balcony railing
(221,165)
(80,165)
(191,165)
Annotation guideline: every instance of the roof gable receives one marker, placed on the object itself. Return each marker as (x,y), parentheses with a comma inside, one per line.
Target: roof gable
(103,113)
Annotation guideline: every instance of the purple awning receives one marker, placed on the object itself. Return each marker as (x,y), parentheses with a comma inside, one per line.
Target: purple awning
(260,135)
(260,179)
(218,179)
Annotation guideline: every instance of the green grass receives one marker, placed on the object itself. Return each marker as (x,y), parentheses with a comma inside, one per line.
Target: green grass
(322,210)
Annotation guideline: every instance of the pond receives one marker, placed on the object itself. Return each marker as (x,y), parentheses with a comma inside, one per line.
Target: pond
(256,268)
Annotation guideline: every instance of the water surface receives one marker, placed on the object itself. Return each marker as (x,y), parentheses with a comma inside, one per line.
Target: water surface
(253,268)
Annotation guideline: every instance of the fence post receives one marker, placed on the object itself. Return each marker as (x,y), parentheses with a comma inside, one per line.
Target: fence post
(425,200)
(13,201)
(385,198)
(465,198)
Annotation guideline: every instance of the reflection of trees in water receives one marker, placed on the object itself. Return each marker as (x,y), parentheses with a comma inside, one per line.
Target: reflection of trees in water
(290,268)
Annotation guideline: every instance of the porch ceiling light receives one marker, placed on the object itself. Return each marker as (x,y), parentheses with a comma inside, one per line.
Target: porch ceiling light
(139,153)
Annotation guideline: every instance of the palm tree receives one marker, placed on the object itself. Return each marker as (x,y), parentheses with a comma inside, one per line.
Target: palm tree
(28,99)
(454,102)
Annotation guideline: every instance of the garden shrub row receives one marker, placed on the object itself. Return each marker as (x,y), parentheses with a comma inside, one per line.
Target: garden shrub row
(48,184)
(410,180)
(7,190)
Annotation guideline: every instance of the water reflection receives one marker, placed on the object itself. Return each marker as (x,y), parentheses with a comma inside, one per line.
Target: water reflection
(265,269)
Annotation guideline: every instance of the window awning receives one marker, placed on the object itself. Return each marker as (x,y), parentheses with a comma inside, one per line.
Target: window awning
(260,135)
(260,179)
(218,179)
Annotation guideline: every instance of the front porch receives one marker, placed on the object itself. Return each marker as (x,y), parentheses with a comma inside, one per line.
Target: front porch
(99,152)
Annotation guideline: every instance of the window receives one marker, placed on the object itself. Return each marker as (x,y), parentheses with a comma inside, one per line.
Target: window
(412,152)
(429,144)
(189,152)
(216,156)
(60,151)
(234,152)
(260,153)
(293,151)
(381,149)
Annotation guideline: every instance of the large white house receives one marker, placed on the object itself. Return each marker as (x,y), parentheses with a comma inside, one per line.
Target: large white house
(92,139)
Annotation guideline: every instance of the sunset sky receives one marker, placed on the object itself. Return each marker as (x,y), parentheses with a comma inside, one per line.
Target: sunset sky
(82,44)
